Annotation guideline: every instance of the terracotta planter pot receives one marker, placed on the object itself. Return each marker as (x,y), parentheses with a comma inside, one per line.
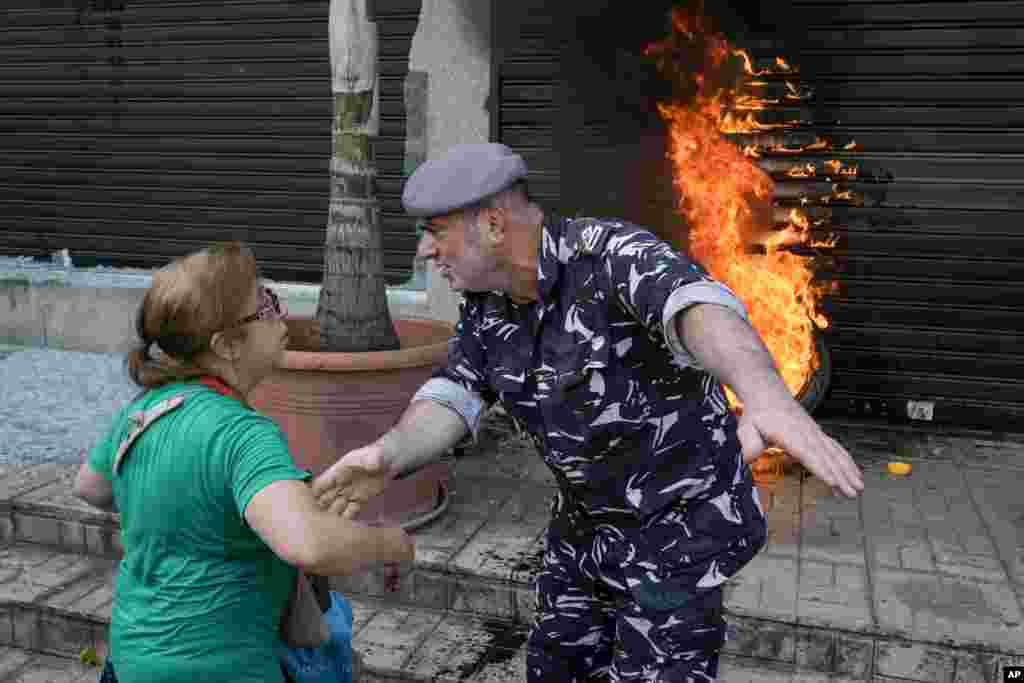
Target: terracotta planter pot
(330,403)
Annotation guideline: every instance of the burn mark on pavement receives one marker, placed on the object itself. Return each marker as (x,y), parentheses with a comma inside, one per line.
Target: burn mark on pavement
(953,600)
(507,639)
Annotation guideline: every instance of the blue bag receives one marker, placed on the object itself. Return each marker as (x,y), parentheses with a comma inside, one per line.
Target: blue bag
(331,662)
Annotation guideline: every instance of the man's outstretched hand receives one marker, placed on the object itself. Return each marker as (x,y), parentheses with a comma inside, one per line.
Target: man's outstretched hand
(348,484)
(787,425)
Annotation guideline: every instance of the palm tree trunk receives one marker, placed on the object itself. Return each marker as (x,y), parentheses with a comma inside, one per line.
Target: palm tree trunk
(352,311)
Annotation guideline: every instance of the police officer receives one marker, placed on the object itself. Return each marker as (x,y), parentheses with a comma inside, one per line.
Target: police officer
(610,349)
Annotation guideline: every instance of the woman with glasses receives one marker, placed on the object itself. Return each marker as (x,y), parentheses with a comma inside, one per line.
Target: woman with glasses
(215,517)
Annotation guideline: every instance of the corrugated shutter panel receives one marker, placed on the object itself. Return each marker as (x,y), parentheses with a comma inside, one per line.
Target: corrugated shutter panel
(527,79)
(563,106)
(931,269)
(135,130)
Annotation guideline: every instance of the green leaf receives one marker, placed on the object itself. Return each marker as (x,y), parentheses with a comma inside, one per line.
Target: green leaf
(89,657)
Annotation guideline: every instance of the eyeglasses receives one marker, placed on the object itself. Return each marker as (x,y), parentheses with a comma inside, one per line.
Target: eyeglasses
(270,308)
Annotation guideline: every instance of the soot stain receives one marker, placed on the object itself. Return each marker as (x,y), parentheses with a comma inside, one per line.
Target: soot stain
(954,601)
(506,638)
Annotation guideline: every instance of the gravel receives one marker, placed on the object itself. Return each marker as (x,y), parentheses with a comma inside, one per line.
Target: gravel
(59,271)
(55,404)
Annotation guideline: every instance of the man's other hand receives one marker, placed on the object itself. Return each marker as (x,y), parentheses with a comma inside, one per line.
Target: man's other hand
(348,484)
(789,427)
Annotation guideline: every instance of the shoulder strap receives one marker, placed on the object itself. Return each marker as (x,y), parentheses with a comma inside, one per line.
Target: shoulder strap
(139,421)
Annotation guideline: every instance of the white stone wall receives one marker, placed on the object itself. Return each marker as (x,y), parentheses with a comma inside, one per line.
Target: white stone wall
(89,311)
(452,46)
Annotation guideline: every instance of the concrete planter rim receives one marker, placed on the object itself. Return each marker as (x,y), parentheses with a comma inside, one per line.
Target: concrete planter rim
(365,361)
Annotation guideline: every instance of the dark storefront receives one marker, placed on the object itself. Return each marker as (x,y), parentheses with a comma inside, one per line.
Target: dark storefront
(134,130)
(929,266)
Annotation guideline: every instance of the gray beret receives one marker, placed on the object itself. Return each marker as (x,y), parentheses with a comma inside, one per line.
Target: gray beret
(465,175)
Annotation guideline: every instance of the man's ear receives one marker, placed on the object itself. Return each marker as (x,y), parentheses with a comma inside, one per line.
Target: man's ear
(223,347)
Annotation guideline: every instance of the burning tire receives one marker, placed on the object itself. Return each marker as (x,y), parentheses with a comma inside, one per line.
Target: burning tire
(813,392)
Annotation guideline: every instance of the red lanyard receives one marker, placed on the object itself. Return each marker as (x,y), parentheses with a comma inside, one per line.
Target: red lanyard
(218,385)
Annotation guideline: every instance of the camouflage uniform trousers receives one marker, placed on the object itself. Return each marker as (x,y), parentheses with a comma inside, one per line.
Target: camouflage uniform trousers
(642,601)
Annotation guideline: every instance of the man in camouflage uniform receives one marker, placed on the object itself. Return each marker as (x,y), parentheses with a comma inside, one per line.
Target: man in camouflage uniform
(609,348)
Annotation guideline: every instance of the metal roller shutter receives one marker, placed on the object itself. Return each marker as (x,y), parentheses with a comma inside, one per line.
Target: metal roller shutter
(930,266)
(396,24)
(931,271)
(135,130)
(526,77)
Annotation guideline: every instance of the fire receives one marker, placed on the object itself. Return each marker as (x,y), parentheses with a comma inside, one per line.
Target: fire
(745,124)
(700,30)
(836,167)
(752,102)
(802,171)
(724,195)
(799,218)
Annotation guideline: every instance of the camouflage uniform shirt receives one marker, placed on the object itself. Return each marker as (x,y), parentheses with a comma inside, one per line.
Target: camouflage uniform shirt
(594,370)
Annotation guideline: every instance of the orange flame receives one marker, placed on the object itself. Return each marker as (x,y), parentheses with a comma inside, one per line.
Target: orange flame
(746,124)
(802,171)
(799,218)
(751,102)
(722,193)
(836,167)
(782,149)
(780,66)
(827,243)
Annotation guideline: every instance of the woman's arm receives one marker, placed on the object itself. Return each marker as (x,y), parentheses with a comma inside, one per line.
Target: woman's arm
(286,516)
(94,489)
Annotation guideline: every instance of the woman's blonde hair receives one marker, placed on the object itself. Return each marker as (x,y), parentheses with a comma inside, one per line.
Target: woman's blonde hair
(189,300)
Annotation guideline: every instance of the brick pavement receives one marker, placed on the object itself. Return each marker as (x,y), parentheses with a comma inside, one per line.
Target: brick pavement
(921,579)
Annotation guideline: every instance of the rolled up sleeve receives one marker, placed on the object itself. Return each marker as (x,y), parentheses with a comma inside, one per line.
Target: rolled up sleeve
(655,283)
(455,397)
(462,385)
(702,292)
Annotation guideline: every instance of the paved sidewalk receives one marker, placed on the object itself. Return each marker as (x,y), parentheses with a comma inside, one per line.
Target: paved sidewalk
(932,561)
(921,579)
(21,666)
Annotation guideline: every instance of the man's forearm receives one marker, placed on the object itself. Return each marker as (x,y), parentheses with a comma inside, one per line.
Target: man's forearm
(731,350)
(426,432)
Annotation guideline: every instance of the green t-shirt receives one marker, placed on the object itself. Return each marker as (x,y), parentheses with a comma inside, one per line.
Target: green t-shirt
(198,595)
